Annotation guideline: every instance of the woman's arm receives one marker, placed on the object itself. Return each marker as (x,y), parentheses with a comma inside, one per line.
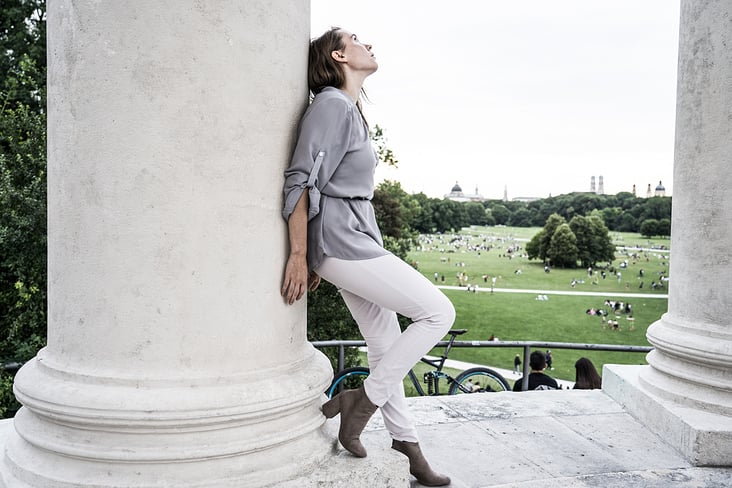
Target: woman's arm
(296,271)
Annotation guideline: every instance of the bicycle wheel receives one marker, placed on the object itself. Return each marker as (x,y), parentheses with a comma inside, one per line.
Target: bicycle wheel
(349,379)
(478,380)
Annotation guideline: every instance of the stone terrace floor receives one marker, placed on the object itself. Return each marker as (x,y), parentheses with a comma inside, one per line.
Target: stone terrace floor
(538,439)
(541,439)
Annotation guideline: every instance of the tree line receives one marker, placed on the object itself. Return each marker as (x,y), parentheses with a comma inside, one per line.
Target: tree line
(622,212)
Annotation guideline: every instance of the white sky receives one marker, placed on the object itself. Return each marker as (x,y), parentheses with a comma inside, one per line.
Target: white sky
(536,95)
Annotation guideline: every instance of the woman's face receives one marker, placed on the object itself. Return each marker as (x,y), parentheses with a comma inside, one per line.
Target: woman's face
(357,54)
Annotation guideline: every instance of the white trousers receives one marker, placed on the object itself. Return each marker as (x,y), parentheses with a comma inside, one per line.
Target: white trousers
(374,289)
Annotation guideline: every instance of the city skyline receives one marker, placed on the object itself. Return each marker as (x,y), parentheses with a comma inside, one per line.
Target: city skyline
(459,193)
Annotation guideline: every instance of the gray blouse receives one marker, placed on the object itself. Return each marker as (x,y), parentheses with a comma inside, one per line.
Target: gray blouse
(335,161)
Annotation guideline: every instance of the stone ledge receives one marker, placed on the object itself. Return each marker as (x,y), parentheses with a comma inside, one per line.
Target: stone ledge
(703,438)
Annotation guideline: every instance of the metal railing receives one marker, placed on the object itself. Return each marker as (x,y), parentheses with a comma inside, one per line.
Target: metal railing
(12,366)
(525,345)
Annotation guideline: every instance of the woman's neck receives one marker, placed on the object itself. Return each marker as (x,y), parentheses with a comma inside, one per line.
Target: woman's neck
(351,91)
(353,85)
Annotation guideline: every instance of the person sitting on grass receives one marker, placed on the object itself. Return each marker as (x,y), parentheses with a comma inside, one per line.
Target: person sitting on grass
(537,379)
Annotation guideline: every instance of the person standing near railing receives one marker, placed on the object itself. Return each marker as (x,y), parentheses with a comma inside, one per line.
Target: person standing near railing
(333,233)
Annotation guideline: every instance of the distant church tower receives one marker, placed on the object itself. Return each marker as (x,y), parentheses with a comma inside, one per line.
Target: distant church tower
(592,185)
(660,190)
(600,186)
(505,193)
(648,192)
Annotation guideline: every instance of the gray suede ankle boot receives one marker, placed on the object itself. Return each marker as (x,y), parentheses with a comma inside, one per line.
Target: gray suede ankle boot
(418,465)
(356,409)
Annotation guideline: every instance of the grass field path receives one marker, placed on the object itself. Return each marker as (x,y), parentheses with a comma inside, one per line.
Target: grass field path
(558,292)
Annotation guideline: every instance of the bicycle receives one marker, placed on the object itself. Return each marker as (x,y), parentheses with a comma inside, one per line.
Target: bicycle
(473,380)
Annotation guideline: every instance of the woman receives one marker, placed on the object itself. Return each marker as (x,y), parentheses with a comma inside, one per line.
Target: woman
(333,234)
(586,376)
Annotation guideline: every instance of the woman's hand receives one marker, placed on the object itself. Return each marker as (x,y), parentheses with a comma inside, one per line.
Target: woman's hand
(313,281)
(296,278)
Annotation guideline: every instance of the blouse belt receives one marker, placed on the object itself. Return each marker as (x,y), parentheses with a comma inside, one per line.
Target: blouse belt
(346,198)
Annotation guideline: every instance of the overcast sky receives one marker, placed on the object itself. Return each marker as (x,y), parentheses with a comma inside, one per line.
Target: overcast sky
(537,96)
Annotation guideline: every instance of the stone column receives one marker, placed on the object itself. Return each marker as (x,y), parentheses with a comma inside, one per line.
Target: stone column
(171,356)
(689,380)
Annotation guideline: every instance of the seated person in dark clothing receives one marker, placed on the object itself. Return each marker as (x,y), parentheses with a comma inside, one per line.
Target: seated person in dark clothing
(537,379)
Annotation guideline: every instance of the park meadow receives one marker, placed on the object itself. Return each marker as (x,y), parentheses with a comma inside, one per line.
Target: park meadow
(523,307)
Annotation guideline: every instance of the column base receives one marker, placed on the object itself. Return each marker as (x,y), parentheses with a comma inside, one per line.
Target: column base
(80,430)
(336,468)
(28,468)
(704,438)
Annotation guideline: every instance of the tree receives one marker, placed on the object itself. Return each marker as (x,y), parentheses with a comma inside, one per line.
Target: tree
(23,37)
(610,216)
(449,216)
(655,208)
(423,219)
(501,214)
(601,245)
(388,209)
(584,238)
(533,247)
(385,154)
(626,200)
(394,209)
(625,222)
(583,233)
(551,225)
(475,213)
(521,218)
(329,319)
(22,186)
(649,228)
(563,248)
(664,227)
(22,233)
(593,240)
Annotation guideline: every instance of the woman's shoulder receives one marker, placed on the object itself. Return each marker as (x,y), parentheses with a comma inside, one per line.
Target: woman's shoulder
(331,97)
(329,105)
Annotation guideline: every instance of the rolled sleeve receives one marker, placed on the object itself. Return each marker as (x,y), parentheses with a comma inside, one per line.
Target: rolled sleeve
(322,141)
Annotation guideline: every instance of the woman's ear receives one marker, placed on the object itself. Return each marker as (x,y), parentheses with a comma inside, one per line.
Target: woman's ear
(338,56)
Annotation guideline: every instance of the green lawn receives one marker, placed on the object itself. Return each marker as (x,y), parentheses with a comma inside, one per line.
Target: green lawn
(519,316)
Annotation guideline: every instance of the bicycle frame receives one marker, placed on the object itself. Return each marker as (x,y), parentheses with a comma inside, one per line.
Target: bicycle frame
(476,379)
(432,377)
